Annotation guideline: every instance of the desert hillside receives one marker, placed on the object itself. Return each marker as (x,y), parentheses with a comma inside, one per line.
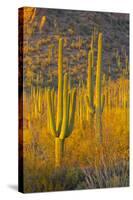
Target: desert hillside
(76,28)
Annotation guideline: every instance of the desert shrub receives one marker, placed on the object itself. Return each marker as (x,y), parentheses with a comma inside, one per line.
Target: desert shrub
(50,179)
(116,175)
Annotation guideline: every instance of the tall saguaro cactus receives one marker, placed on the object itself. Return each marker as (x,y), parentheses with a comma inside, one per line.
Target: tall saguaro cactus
(90,88)
(97,107)
(90,83)
(61,127)
(99,104)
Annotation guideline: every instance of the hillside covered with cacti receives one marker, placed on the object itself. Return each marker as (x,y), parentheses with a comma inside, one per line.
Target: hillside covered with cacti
(76,27)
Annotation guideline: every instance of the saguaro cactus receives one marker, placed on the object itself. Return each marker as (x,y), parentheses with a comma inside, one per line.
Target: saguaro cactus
(99,104)
(90,83)
(62,127)
(42,22)
(90,88)
(97,107)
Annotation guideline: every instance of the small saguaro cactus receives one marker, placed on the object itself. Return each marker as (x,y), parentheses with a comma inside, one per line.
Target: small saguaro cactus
(62,126)
(42,22)
(99,104)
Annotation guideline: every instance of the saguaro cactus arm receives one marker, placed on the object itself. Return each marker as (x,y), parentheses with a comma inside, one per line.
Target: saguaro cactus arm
(90,105)
(102,102)
(99,98)
(90,86)
(98,73)
(51,115)
(72,112)
(65,108)
(43,20)
(60,87)
(89,81)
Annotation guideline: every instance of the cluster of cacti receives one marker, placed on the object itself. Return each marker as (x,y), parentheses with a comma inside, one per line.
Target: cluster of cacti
(86,103)
(75,112)
(37,100)
(116,95)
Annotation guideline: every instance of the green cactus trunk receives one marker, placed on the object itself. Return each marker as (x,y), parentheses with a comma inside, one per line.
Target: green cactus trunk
(81,111)
(91,89)
(99,97)
(59,151)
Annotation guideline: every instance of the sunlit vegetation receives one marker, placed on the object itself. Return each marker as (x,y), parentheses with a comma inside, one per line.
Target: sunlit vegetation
(76,110)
